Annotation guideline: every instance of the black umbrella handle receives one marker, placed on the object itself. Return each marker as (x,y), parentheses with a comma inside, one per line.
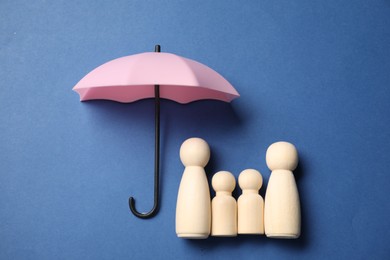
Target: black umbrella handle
(154,210)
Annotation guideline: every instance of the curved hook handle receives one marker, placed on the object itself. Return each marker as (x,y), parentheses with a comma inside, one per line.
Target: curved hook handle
(150,214)
(154,210)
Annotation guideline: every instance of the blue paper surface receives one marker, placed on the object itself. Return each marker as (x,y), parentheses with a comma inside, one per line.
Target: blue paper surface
(312,73)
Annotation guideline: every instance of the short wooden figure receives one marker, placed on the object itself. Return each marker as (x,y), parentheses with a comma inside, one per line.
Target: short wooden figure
(223,205)
(193,207)
(282,215)
(250,203)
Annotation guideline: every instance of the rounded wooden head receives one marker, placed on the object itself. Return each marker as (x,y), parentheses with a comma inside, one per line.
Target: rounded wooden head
(250,179)
(195,152)
(223,181)
(282,156)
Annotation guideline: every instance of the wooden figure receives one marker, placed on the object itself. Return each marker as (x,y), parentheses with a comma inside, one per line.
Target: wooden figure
(223,205)
(193,207)
(250,203)
(282,215)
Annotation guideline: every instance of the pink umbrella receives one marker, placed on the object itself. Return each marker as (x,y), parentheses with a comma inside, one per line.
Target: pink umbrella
(154,75)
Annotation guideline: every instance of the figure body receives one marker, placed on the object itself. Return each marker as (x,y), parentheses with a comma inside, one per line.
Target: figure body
(250,203)
(282,215)
(193,207)
(224,206)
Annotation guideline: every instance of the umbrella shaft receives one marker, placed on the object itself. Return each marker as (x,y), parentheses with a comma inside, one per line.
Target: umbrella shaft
(154,210)
(157,138)
(157,144)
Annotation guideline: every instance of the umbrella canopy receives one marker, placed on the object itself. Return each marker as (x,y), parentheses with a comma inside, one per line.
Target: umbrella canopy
(154,75)
(133,77)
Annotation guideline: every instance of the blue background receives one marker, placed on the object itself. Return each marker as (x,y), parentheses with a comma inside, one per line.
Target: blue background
(315,73)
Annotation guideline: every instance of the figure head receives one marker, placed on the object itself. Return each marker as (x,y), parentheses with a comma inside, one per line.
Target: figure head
(282,156)
(195,152)
(250,179)
(223,181)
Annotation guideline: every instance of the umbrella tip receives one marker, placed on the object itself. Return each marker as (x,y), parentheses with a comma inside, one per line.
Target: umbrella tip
(157,48)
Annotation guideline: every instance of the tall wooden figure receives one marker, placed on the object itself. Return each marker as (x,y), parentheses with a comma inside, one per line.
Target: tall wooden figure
(193,207)
(250,203)
(223,205)
(282,214)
